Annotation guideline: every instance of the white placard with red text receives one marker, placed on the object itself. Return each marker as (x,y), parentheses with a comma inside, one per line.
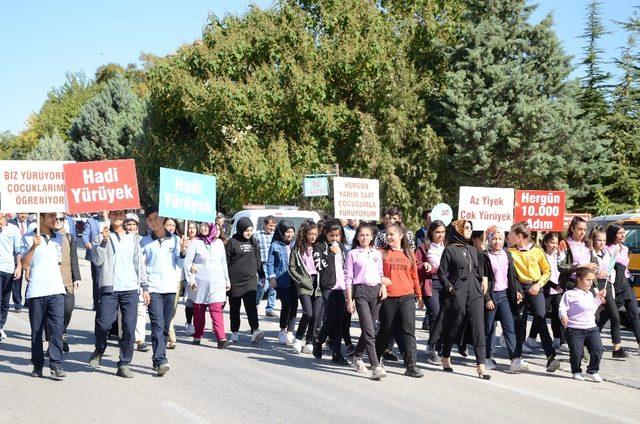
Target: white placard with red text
(486,206)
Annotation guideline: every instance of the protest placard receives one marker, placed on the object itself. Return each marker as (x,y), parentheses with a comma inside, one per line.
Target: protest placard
(542,210)
(315,186)
(356,198)
(486,206)
(32,186)
(101,186)
(187,195)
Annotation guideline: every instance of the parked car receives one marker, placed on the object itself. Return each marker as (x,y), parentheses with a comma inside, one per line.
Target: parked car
(259,213)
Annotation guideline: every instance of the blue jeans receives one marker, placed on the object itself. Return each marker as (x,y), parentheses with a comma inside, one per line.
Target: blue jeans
(49,310)
(502,313)
(108,314)
(160,315)
(271,292)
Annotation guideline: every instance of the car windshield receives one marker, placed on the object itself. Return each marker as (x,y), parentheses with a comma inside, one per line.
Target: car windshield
(297,221)
(632,239)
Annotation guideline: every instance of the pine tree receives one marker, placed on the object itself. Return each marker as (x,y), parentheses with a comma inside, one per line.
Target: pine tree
(593,96)
(509,115)
(109,125)
(50,147)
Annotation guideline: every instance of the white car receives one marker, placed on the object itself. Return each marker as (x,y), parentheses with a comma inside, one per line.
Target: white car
(257,216)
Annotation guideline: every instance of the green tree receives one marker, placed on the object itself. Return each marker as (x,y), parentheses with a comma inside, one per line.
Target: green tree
(110,124)
(593,96)
(508,114)
(280,93)
(622,187)
(7,145)
(50,147)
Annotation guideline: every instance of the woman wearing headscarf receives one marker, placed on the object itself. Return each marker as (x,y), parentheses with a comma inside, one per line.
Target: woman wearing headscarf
(243,260)
(205,268)
(503,295)
(278,269)
(461,277)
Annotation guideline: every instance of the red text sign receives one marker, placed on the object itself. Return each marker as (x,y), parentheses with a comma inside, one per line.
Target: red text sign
(101,186)
(542,210)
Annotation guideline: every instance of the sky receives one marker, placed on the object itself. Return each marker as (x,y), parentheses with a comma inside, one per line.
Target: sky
(43,40)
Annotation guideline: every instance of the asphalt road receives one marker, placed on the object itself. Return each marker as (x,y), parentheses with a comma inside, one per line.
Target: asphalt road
(266,383)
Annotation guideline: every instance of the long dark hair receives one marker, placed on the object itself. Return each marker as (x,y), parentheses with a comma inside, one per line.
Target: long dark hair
(547,238)
(612,233)
(301,239)
(433,227)
(329,226)
(363,226)
(572,226)
(404,243)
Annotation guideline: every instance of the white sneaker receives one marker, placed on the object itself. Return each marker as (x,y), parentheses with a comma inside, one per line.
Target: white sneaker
(290,337)
(3,335)
(378,372)
(360,366)
(519,365)
(190,329)
(563,348)
(308,348)
(578,376)
(234,337)
(593,377)
(257,336)
(297,346)
(532,343)
(490,364)
(282,337)
(526,349)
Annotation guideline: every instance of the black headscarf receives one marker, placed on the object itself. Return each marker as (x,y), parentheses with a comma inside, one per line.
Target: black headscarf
(455,233)
(283,227)
(241,227)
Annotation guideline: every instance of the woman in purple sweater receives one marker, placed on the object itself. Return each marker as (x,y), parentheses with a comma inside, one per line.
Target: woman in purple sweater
(366,288)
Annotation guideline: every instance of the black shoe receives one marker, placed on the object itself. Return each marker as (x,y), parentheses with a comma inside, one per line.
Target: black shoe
(57,372)
(351,350)
(270,314)
(224,343)
(413,371)
(37,372)
(462,350)
(619,354)
(65,347)
(142,347)
(317,349)
(196,342)
(337,358)
(389,356)
(425,325)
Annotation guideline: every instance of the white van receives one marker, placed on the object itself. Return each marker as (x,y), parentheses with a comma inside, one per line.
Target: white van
(258,214)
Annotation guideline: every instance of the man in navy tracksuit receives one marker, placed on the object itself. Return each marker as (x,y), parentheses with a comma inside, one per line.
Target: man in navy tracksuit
(118,256)
(41,255)
(162,262)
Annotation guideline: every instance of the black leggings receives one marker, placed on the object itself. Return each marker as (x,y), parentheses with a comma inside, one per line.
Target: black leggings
(610,312)
(249,300)
(289,307)
(468,303)
(628,300)
(311,319)
(398,312)
(552,304)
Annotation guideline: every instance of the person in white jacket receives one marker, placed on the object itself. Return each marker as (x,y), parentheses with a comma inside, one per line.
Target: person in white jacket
(161,261)
(205,268)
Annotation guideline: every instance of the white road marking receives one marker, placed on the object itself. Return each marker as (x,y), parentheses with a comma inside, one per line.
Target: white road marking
(184,412)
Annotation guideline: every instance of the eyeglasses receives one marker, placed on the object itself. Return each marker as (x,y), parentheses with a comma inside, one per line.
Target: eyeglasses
(59,219)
